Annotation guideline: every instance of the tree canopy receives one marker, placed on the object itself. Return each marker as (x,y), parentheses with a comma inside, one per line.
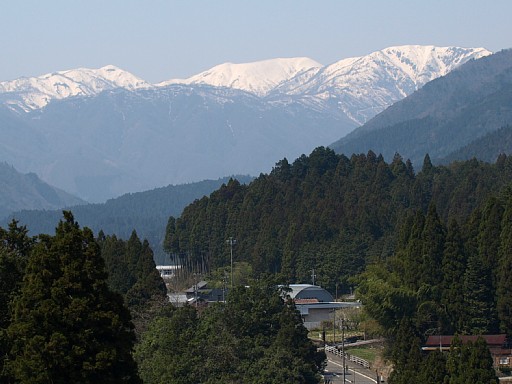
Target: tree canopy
(67,325)
(257,336)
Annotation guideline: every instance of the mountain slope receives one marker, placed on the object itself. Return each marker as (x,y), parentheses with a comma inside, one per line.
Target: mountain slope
(443,116)
(102,133)
(365,86)
(127,141)
(487,148)
(146,212)
(27,191)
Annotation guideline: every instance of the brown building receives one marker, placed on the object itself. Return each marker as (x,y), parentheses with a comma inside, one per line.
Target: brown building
(499,346)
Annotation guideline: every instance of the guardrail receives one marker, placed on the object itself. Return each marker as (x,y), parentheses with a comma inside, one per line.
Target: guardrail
(355,359)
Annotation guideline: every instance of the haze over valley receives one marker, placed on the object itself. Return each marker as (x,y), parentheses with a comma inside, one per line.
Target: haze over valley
(100,133)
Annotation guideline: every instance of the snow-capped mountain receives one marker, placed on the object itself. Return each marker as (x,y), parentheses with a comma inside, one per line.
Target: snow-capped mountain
(364,86)
(360,86)
(29,93)
(99,133)
(259,77)
(447,118)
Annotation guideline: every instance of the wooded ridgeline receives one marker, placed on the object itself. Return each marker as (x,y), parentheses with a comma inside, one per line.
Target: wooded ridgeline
(327,212)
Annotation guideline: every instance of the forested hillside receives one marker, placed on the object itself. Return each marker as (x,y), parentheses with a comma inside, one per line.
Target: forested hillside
(145,212)
(428,253)
(486,148)
(445,115)
(326,212)
(72,309)
(443,279)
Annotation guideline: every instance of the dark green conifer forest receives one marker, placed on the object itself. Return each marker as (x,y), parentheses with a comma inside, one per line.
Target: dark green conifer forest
(66,325)
(427,251)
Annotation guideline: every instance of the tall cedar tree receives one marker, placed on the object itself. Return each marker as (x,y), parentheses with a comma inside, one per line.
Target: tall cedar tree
(452,287)
(470,363)
(504,275)
(406,353)
(132,273)
(433,238)
(68,326)
(15,246)
(479,317)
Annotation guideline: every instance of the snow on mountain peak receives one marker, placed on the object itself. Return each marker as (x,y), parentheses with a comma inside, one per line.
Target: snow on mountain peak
(258,77)
(363,86)
(366,85)
(29,93)
(423,63)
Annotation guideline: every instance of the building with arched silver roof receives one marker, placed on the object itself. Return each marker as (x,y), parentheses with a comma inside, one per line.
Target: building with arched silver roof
(315,304)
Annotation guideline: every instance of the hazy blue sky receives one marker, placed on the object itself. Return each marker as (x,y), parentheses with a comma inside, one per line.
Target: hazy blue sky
(163,39)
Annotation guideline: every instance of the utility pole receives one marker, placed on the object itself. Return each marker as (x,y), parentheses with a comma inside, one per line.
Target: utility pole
(224,278)
(334,326)
(343,348)
(313,276)
(231,242)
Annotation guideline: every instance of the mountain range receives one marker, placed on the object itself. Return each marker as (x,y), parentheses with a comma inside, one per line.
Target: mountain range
(444,117)
(99,133)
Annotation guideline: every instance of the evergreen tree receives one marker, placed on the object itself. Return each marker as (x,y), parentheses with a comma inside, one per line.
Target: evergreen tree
(455,362)
(68,327)
(406,354)
(489,232)
(433,237)
(132,273)
(166,352)
(15,246)
(454,267)
(149,285)
(479,317)
(479,366)
(433,368)
(504,278)
(470,363)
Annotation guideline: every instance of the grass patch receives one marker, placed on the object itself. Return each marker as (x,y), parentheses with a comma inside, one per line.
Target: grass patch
(367,353)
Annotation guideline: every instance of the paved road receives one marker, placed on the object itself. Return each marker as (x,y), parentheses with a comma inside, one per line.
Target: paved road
(355,373)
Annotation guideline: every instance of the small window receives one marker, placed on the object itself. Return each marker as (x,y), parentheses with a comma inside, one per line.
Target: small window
(504,360)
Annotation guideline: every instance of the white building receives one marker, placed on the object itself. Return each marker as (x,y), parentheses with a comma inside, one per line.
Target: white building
(167,271)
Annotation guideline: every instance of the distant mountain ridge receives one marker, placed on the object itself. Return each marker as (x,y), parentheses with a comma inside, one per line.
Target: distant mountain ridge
(145,212)
(406,68)
(36,92)
(259,77)
(442,117)
(365,86)
(26,191)
(102,133)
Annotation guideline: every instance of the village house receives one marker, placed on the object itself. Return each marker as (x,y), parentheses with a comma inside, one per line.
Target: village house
(499,346)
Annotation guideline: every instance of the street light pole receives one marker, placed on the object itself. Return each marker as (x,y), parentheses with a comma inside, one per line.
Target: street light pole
(231,242)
